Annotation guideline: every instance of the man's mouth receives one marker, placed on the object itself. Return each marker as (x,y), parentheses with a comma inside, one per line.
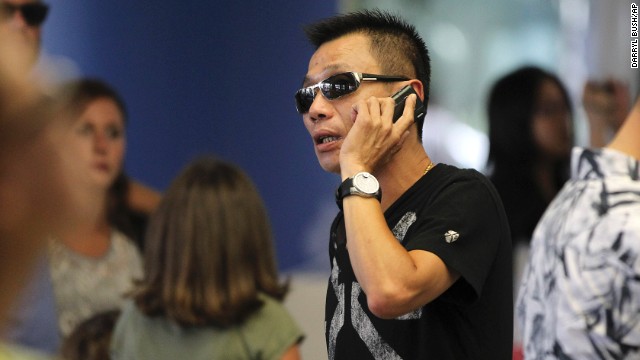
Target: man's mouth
(327,139)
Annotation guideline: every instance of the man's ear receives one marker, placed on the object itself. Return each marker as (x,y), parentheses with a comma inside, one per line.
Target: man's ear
(418,87)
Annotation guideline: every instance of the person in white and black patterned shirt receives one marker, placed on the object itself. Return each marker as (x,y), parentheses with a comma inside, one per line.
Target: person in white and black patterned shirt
(580,294)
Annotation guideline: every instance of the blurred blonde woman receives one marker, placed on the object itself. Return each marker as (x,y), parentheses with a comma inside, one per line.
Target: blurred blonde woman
(86,270)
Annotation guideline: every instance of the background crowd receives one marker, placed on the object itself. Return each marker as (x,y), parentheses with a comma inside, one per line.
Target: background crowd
(78,229)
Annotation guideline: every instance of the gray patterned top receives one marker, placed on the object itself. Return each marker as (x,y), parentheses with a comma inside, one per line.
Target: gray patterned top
(84,285)
(580,293)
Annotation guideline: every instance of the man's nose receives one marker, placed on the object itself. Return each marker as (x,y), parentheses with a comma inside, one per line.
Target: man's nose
(321,107)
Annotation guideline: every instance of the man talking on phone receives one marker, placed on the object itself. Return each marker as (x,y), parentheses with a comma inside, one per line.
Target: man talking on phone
(420,253)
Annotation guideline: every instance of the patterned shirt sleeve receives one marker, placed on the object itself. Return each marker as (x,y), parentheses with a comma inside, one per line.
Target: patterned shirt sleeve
(580,296)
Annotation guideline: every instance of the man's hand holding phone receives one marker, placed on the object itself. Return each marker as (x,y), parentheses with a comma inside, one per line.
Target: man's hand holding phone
(374,139)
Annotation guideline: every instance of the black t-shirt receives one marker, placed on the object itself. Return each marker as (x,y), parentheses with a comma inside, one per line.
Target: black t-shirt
(457,215)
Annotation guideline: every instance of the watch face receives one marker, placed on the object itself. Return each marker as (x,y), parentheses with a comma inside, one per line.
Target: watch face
(366,183)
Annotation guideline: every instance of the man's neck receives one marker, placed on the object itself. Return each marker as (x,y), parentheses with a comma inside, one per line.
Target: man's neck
(405,168)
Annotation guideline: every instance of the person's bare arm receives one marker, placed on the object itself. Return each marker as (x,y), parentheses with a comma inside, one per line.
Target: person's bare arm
(606,105)
(395,281)
(292,354)
(626,140)
(143,198)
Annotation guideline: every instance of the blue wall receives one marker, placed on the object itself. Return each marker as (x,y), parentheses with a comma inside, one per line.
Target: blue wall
(208,78)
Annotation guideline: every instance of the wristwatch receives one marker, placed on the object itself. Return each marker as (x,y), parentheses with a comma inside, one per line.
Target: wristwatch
(361,184)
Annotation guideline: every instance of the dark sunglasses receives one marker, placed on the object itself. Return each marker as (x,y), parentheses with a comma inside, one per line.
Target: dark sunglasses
(33,14)
(337,86)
